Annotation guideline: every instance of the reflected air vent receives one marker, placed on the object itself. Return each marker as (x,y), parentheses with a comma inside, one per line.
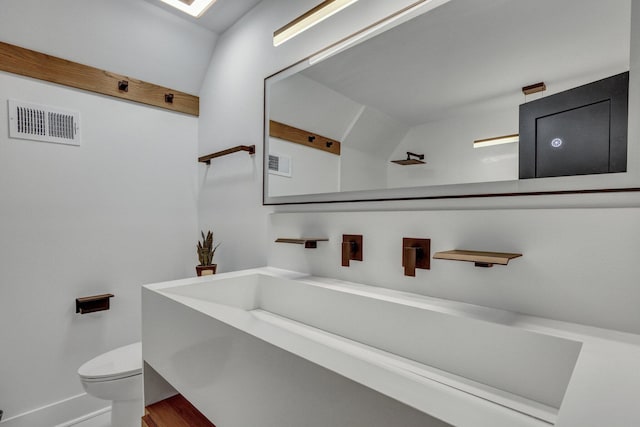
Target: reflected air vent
(43,123)
(279,165)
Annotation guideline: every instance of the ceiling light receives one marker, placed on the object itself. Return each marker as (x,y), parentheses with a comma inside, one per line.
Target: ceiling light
(195,8)
(496,141)
(316,15)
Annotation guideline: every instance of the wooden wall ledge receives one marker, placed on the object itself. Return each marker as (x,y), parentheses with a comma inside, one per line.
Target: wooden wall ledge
(308,242)
(480,258)
(25,62)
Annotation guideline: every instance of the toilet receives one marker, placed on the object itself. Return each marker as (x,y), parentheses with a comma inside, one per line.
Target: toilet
(117,376)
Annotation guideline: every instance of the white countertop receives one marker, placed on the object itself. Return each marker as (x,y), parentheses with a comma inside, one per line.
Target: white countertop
(603,391)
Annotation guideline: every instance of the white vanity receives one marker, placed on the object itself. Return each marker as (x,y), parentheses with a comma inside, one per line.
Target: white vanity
(270,347)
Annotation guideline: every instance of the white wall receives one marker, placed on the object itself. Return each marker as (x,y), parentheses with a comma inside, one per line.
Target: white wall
(361,170)
(232,100)
(106,217)
(109,216)
(367,147)
(302,103)
(134,38)
(449,154)
(578,265)
(312,170)
(591,287)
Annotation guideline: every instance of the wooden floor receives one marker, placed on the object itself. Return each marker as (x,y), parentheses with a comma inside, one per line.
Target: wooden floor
(175,411)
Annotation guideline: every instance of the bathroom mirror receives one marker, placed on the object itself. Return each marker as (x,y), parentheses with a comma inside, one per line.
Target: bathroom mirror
(393,112)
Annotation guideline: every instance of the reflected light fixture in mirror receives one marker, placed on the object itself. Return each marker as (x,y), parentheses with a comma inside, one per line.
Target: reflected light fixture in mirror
(507,139)
(376,28)
(316,15)
(195,8)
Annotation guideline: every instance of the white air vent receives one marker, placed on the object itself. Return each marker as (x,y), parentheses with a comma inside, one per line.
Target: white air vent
(279,165)
(43,123)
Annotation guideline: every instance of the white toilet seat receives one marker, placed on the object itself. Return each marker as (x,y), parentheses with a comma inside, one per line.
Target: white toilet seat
(123,362)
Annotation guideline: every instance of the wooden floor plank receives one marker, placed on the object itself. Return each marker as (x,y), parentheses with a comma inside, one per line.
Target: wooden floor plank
(175,411)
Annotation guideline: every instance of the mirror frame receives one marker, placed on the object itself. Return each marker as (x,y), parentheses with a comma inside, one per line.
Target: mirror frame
(583,184)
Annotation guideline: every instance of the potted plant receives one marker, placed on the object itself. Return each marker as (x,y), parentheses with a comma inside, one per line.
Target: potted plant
(206,250)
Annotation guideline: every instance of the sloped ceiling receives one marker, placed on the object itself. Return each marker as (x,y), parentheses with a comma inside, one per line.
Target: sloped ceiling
(131,37)
(220,16)
(469,51)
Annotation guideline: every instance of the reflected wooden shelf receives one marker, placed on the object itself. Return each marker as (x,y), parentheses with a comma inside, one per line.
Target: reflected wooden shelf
(309,242)
(480,258)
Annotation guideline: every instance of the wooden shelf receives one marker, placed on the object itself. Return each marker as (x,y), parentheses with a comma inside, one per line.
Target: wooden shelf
(251,149)
(480,258)
(309,243)
(175,411)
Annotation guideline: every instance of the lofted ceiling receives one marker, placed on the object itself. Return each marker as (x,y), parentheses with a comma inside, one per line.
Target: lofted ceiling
(220,16)
(467,52)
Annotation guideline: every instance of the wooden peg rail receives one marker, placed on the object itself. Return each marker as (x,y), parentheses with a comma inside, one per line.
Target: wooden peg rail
(251,149)
(25,62)
(303,137)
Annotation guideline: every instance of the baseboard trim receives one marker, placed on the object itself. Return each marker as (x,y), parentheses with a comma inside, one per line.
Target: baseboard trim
(59,413)
(85,417)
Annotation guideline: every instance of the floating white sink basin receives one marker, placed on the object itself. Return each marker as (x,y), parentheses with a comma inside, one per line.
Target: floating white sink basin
(455,344)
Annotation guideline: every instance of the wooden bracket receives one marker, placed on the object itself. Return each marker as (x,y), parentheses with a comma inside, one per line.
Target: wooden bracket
(251,149)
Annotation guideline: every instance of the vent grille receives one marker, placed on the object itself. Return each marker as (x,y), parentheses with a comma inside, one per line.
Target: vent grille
(273,162)
(279,165)
(43,123)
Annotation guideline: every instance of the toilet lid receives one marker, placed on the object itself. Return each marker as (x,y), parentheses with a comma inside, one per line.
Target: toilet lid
(119,363)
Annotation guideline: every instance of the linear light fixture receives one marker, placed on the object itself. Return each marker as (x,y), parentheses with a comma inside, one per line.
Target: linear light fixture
(195,8)
(316,15)
(496,141)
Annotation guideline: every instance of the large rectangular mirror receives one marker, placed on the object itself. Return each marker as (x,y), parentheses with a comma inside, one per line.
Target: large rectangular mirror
(393,112)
